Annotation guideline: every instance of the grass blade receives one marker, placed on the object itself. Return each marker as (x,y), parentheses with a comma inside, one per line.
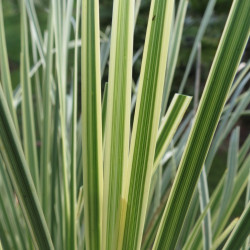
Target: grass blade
(169,125)
(46,129)
(240,232)
(5,71)
(91,125)
(73,186)
(240,184)
(246,244)
(36,28)
(195,230)
(8,221)
(174,51)
(219,81)
(243,150)
(61,62)
(204,200)
(21,179)
(232,163)
(204,23)
(9,190)
(27,105)
(117,126)
(146,122)
(224,235)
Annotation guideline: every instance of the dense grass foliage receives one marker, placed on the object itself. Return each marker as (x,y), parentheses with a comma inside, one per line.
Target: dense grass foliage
(95,157)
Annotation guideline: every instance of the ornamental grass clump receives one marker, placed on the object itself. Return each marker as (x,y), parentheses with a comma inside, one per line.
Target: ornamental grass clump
(85,178)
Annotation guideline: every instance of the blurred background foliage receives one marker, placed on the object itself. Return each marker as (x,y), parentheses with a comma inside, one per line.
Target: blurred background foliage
(195,12)
(209,44)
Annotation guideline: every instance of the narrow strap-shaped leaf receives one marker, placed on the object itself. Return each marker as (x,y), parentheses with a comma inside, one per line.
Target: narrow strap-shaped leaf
(243,150)
(232,164)
(146,121)
(37,83)
(61,60)
(4,69)
(17,167)
(151,230)
(204,23)
(9,192)
(239,187)
(54,164)
(240,232)
(219,81)
(204,200)
(240,184)
(37,31)
(246,244)
(29,136)
(91,125)
(117,127)
(174,51)
(46,130)
(224,235)
(196,231)
(80,202)
(169,125)
(8,221)
(72,244)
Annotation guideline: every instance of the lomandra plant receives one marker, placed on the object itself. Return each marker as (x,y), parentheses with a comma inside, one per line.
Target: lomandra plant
(90,179)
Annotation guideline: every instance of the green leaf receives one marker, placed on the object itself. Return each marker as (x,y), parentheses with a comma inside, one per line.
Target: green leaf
(214,96)
(117,126)
(62,30)
(91,125)
(73,184)
(244,150)
(246,244)
(196,228)
(8,221)
(17,168)
(146,122)
(204,23)
(240,232)
(232,164)
(29,136)
(169,125)
(224,235)
(204,200)
(35,27)
(46,128)
(174,51)
(9,193)
(240,184)
(5,71)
